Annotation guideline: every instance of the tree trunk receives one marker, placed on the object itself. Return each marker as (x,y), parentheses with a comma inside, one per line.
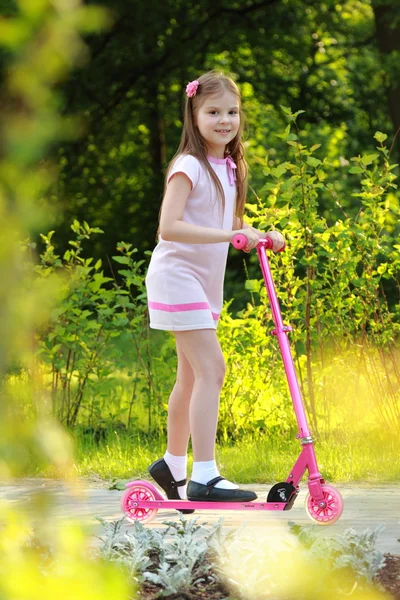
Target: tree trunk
(151,206)
(387,24)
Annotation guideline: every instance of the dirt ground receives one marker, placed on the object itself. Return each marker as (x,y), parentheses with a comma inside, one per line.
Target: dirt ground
(388,577)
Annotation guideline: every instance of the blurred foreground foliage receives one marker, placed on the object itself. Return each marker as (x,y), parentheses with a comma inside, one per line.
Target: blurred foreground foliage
(43,562)
(41,42)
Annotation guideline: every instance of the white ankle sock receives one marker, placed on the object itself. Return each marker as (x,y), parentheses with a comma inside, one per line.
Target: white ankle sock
(205,471)
(177,466)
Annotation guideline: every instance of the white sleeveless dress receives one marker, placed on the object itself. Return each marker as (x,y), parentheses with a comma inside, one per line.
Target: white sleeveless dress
(184,282)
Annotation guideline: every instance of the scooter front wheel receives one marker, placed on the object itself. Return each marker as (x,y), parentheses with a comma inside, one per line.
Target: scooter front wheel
(129,500)
(331,512)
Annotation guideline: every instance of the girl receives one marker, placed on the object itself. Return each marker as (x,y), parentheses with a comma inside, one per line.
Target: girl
(202,209)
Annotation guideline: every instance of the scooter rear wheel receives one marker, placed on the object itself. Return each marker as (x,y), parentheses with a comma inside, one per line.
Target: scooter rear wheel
(130,498)
(332,510)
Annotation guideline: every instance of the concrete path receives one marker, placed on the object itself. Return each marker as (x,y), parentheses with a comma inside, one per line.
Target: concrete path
(365,506)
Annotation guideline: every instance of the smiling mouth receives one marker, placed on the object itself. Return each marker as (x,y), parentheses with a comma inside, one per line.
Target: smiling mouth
(223,130)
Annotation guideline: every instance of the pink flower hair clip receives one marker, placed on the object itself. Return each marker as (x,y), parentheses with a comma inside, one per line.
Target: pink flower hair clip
(191,88)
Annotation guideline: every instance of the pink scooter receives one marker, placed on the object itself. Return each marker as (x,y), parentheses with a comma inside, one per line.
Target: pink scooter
(324,504)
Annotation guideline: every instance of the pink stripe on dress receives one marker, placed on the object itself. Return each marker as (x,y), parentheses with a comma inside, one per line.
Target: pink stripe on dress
(182,307)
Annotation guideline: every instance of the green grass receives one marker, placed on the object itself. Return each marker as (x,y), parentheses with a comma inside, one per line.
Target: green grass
(371,457)
(359,458)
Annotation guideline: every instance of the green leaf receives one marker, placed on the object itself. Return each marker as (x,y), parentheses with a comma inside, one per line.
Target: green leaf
(279,170)
(85,313)
(381,137)
(286,110)
(123,260)
(369,159)
(313,162)
(126,273)
(325,236)
(253,285)
(382,268)
(285,134)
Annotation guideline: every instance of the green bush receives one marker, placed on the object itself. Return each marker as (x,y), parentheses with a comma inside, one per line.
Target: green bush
(332,282)
(103,364)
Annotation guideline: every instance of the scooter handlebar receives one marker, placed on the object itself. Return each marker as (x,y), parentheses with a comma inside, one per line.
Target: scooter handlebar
(239,241)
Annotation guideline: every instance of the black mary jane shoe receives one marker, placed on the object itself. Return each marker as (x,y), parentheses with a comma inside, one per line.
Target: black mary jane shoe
(162,475)
(198,492)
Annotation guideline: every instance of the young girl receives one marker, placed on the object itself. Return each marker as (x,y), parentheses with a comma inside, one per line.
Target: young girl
(202,209)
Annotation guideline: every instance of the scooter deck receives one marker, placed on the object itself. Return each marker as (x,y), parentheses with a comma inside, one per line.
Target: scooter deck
(185,504)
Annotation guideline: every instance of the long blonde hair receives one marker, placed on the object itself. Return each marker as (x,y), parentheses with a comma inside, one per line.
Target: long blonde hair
(192,142)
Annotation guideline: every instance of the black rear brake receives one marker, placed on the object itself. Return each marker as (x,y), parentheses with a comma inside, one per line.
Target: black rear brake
(283,492)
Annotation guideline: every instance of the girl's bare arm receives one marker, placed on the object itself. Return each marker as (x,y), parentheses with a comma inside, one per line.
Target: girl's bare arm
(173,228)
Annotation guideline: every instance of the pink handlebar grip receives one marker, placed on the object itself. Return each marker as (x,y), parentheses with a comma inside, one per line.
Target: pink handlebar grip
(239,241)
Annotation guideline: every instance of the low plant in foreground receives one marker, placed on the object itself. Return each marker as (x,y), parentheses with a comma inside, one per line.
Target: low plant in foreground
(174,558)
(295,565)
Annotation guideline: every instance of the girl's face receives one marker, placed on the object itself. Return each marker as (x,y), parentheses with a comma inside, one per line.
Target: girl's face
(218,120)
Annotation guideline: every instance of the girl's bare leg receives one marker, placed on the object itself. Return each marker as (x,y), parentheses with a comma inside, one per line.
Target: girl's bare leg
(178,407)
(203,352)
(178,430)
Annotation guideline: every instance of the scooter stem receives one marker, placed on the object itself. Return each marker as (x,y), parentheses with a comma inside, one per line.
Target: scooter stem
(281,332)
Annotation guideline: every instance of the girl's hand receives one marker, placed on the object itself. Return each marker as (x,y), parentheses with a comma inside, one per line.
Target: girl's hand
(277,239)
(252,235)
